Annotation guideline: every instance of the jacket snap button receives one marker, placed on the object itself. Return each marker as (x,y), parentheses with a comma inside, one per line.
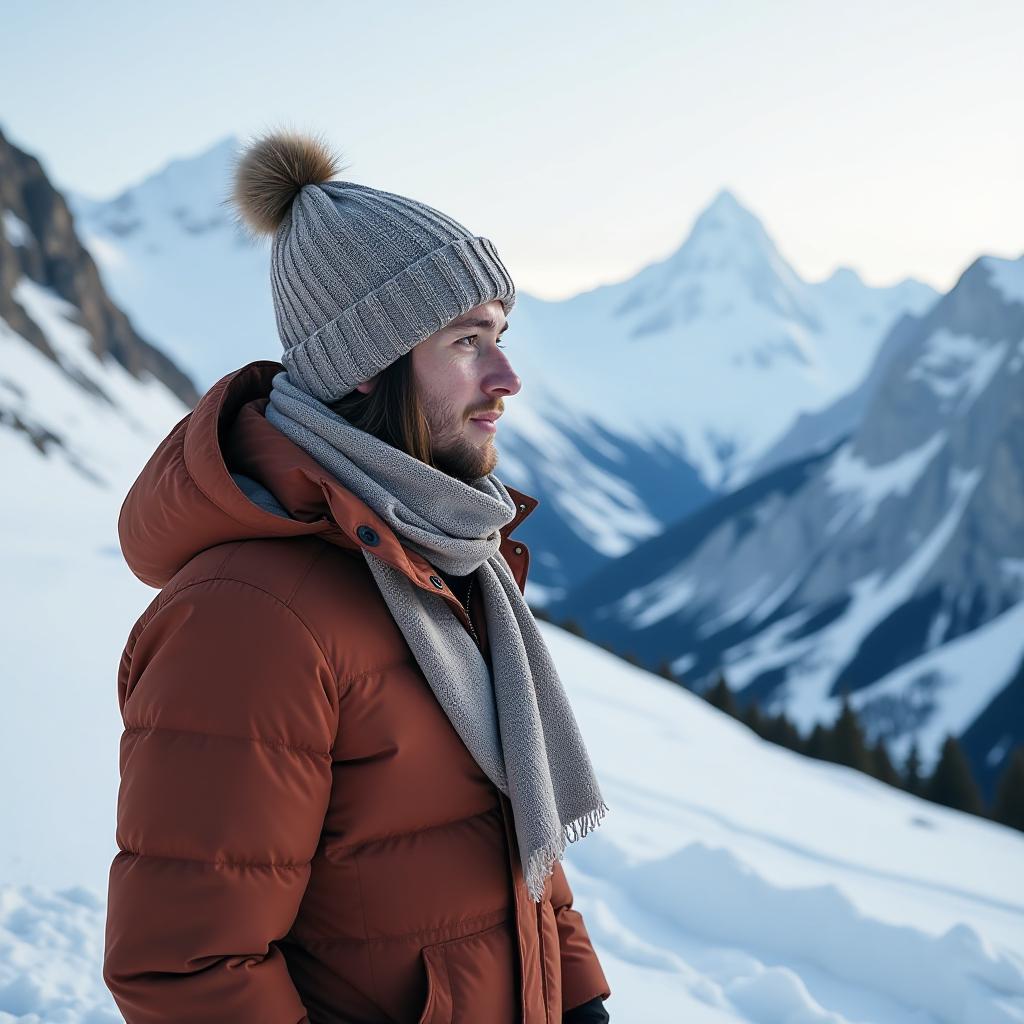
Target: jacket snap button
(438,582)
(368,535)
(522,507)
(518,550)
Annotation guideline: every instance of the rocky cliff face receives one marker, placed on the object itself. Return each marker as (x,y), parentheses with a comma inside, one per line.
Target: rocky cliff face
(38,242)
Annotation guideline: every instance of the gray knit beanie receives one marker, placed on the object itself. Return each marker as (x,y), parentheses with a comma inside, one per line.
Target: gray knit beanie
(359,276)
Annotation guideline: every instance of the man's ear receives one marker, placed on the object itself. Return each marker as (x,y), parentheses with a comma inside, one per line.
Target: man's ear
(367,386)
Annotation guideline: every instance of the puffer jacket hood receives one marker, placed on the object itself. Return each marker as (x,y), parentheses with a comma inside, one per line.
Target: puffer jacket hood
(303,837)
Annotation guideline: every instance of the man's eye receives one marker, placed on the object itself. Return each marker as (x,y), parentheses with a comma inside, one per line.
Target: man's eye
(472,337)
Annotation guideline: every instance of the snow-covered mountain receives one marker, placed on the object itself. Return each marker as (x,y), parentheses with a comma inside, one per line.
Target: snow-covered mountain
(721,341)
(890,566)
(820,429)
(172,256)
(80,390)
(641,400)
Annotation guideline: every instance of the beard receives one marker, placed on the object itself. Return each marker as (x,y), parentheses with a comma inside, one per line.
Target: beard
(453,446)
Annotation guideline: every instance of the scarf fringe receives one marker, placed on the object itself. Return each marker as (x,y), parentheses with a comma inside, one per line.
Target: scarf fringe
(542,861)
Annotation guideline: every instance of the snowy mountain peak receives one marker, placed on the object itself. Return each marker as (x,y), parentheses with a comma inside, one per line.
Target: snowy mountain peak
(726,235)
(190,179)
(185,196)
(845,277)
(727,268)
(725,206)
(1005,276)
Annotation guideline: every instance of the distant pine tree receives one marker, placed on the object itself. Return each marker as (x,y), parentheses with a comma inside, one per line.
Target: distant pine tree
(819,743)
(721,697)
(912,781)
(665,671)
(1008,806)
(791,737)
(952,783)
(848,739)
(881,765)
(632,658)
(751,715)
(572,626)
(773,728)
(540,613)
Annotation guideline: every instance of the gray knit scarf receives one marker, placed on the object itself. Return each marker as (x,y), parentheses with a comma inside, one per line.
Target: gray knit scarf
(520,727)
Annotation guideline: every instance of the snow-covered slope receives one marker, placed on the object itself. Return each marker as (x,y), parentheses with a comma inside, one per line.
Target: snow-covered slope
(640,400)
(889,566)
(60,424)
(731,881)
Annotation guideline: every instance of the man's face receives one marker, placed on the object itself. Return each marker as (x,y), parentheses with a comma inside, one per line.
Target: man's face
(462,372)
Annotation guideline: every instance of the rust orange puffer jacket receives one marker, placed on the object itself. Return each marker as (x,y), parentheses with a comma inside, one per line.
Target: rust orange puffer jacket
(302,834)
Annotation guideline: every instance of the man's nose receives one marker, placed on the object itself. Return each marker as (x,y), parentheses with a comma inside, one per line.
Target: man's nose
(501,377)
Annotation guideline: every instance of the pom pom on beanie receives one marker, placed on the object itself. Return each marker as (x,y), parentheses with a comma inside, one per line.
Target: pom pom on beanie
(271,171)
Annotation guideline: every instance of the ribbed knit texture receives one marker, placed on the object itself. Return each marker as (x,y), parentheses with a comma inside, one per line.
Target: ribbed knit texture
(360,276)
(518,725)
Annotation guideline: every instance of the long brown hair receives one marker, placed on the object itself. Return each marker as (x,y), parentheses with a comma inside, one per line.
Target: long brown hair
(391,411)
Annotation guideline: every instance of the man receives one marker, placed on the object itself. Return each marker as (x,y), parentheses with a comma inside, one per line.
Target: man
(349,768)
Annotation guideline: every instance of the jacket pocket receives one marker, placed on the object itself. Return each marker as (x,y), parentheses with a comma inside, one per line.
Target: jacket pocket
(473,978)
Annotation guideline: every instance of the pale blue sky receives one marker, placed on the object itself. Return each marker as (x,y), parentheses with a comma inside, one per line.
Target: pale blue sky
(583,138)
